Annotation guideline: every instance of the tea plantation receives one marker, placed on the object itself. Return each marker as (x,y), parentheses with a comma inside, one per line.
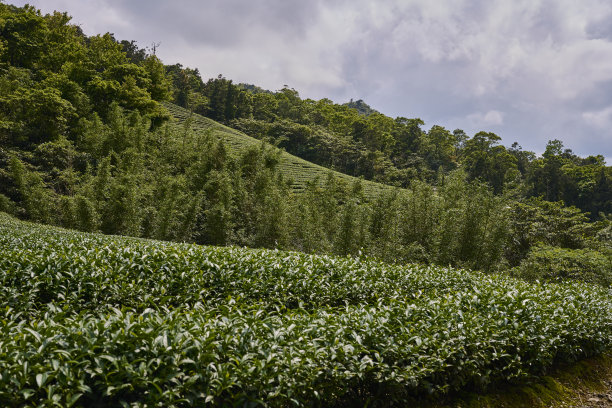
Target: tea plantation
(92,320)
(296,170)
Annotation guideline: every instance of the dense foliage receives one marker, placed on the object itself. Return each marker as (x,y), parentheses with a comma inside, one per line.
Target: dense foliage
(177,185)
(52,76)
(93,320)
(561,264)
(90,141)
(357,140)
(85,142)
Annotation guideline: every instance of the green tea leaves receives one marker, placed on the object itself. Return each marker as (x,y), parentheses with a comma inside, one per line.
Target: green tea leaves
(87,319)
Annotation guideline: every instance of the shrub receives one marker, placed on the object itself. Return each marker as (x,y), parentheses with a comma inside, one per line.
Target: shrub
(561,264)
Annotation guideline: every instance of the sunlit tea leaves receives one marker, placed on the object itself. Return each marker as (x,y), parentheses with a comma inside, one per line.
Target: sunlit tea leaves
(93,320)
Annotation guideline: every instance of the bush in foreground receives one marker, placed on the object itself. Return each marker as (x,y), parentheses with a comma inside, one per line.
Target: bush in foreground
(93,320)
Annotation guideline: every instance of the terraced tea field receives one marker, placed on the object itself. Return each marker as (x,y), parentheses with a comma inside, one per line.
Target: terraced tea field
(93,320)
(294,168)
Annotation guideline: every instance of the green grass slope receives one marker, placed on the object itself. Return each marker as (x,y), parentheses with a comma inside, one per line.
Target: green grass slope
(298,170)
(94,320)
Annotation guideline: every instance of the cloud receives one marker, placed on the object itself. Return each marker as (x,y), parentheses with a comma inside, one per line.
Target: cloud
(601,119)
(490,118)
(533,70)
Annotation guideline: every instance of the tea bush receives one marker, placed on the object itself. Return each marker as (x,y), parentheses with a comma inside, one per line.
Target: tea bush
(93,320)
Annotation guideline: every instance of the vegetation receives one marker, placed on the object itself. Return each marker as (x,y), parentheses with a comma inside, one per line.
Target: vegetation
(297,172)
(560,264)
(569,385)
(85,142)
(99,136)
(93,320)
(357,140)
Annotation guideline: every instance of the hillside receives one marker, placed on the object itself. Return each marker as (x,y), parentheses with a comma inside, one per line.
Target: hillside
(353,139)
(109,321)
(86,143)
(366,261)
(296,170)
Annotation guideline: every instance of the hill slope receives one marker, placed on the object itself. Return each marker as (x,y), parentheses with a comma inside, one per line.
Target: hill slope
(297,170)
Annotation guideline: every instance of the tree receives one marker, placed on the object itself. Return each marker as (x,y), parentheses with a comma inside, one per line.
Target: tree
(159,84)
(408,136)
(484,159)
(23,33)
(35,199)
(439,148)
(36,115)
(135,54)
(536,221)
(383,228)
(216,221)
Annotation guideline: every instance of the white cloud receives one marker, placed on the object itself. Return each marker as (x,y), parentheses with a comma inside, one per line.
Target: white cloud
(600,119)
(490,118)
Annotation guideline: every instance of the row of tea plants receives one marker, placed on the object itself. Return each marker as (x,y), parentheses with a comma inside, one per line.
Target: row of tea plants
(93,320)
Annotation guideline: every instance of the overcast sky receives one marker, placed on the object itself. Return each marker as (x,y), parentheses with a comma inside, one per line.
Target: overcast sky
(528,70)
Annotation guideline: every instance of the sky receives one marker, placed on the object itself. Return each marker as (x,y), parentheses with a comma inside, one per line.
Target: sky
(527,70)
